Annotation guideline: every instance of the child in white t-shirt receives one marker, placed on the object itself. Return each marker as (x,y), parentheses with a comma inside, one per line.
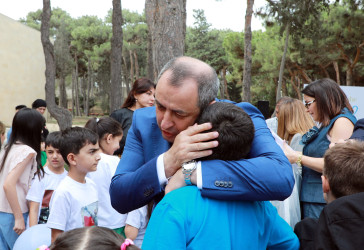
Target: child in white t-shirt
(110,133)
(41,191)
(74,203)
(136,225)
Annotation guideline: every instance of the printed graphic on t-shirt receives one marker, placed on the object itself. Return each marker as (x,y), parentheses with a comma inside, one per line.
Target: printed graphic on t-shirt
(44,211)
(89,214)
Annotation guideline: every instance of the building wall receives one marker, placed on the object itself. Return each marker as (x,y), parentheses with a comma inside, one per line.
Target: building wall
(22,67)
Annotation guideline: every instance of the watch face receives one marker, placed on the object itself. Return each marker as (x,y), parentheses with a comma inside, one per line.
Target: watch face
(189,166)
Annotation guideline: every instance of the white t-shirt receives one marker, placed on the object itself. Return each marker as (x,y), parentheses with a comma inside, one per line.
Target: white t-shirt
(107,216)
(41,190)
(138,219)
(73,205)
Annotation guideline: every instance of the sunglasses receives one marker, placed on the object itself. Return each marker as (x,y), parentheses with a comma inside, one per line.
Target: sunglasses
(308,104)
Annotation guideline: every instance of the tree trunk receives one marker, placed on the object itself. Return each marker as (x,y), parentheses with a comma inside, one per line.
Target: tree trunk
(78,111)
(126,76)
(247,76)
(336,67)
(89,79)
(73,91)
(222,87)
(150,67)
(62,92)
(167,25)
(131,67)
(83,90)
(281,69)
(116,98)
(295,86)
(136,65)
(349,76)
(224,81)
(63,116)
(324,71)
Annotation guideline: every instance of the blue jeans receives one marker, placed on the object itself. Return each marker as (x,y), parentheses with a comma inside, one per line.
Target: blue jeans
(7,234)
(311,210)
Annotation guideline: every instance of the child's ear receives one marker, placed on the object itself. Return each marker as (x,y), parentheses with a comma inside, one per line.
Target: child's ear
(71,158)
(325,184)
(109,138)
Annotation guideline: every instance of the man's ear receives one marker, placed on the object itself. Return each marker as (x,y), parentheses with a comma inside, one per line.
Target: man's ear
(71,158)
(325,184)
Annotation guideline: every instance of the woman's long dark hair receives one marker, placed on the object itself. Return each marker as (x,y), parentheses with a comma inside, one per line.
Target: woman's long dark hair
(26,128)
(140,86)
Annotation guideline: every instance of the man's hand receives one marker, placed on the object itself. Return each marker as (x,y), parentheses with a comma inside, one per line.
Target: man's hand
(188,145)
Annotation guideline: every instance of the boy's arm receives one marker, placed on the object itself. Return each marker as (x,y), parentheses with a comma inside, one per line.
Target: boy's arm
(33,213)
(131,232)
(55,233)
(59,212)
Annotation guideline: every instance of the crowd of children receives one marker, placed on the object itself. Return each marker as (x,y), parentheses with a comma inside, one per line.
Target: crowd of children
(76,206)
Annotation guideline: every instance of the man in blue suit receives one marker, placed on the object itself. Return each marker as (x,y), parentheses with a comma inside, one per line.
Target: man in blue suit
(163,138)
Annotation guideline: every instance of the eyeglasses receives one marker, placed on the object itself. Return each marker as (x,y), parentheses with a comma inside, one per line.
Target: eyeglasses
(308,104)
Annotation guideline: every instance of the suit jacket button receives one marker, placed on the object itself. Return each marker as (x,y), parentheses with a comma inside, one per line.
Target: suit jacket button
(225,184)
(230,184)
(217,183)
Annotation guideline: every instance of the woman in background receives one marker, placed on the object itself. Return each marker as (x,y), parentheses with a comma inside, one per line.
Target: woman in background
(293,122)
(140,96)
(330,108)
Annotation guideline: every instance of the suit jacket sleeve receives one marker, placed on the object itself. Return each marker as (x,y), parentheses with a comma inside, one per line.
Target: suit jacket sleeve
(135,182)
(265,175)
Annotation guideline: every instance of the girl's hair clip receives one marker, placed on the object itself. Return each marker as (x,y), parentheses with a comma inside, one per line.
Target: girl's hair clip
(126,243)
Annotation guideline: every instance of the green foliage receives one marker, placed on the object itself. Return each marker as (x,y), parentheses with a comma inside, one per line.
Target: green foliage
(319,37)
(204,43)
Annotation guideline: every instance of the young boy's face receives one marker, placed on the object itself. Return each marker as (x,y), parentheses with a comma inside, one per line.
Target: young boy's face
(87,158)
(54,157)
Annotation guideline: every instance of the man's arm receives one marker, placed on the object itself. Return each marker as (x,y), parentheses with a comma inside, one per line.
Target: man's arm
(136,182)
(265,175)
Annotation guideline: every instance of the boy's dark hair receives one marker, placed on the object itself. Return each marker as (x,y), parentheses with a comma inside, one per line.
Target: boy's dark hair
(235,127)
(90,238)
(19,107)
(344,168)
(54,139)
(73,139)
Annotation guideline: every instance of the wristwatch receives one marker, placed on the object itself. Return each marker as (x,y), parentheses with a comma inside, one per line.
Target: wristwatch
(187,170)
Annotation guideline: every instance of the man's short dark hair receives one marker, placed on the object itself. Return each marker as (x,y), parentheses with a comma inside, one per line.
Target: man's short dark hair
(344,168)
(54,140)
(235,127)
(73,139)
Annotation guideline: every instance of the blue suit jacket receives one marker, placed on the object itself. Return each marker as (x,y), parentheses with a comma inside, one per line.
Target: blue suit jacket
(265,175)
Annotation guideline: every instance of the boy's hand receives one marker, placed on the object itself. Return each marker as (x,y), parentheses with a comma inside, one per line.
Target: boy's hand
(176,181)
(19,226)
